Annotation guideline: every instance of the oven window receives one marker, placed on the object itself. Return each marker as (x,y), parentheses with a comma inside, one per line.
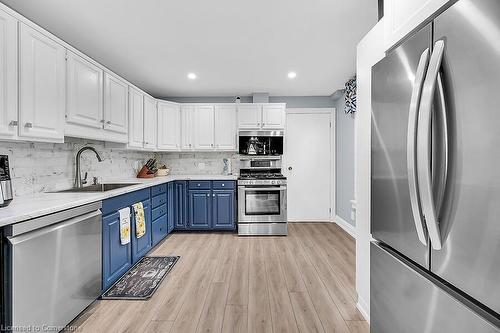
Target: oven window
(262,202)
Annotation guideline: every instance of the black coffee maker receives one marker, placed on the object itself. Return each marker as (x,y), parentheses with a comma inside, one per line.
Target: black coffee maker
(6,194)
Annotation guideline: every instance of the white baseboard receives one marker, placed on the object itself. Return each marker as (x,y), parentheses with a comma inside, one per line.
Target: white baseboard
(363,308)
(346,226)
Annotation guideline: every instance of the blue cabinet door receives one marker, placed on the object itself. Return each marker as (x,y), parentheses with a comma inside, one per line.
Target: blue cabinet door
(200,209)
(171,207)
(141,246)
(223,209)
(116,257)
(180,214)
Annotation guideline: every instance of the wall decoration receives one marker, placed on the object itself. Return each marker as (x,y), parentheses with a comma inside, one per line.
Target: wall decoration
(350,96)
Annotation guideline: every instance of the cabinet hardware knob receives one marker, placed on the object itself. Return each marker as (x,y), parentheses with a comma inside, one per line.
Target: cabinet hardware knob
(28,125)
(223,185)
(208,195)
(13,123)
(213,195)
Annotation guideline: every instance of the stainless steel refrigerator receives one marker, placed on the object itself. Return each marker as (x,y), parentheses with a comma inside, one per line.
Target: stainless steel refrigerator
(435,192)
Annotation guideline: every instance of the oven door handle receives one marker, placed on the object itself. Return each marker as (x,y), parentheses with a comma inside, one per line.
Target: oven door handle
(281,188)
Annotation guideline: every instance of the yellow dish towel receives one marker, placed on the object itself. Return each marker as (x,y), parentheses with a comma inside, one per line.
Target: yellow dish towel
(140,220)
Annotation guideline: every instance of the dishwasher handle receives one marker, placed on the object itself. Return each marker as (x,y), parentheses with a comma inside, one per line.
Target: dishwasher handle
(14,240)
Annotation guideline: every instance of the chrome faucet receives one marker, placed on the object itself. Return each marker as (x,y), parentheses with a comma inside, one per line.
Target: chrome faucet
(78,177)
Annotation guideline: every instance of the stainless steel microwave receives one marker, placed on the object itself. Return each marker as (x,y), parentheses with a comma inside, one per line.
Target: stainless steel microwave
(260,142)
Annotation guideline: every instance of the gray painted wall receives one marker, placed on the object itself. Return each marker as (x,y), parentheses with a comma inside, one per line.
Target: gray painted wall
(344,160)
(291,101)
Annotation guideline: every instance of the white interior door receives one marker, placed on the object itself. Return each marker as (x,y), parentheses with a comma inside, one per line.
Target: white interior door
(308,164)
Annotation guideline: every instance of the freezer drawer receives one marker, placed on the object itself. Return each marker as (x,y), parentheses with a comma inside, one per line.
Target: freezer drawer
(405,299)
(55,269)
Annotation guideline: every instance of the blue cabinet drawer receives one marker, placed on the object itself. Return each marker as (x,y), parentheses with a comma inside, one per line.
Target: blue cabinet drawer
(159,211)
(223,185)
(159,200)
(158,189)
(199,185)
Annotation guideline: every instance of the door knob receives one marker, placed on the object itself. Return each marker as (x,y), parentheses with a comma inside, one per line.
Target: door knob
(290,168)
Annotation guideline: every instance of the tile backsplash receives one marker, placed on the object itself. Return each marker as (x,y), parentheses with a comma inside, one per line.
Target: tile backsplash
(43,167)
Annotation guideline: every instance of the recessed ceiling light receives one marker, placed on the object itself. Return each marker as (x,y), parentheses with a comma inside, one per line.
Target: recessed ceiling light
(292,75)
(192,76)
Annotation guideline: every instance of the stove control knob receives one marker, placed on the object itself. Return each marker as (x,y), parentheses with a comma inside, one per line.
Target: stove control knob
(273,182)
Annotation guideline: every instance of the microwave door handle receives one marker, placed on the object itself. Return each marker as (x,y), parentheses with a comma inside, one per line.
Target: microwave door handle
(424,146)
(411,161)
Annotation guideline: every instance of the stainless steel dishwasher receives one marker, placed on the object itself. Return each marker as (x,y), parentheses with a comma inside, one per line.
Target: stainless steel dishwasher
(54,268)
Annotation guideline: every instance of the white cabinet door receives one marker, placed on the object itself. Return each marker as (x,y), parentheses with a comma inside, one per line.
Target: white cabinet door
(169,126)
(273,116)
(8,76)
(136,118)
(84,93)
(403,16)
(42,71)
(187,127)
(204,127)
(249,116)
(226,129)
(150,122)
(115,104)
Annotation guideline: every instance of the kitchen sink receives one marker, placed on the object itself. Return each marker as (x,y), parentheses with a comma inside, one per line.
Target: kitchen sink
(97,188)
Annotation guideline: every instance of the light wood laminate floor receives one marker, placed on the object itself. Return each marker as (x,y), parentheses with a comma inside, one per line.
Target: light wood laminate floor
(304,282)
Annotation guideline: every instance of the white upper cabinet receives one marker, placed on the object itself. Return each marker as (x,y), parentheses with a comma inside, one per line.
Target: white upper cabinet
(402,16)
(273,116)
(83,95)
(136,118)
(169,126)
(116,106)
(249,116)
(204,127)
(226,128)
(150,122)
(261,116)
(42,71)
(187,130)
(8,76)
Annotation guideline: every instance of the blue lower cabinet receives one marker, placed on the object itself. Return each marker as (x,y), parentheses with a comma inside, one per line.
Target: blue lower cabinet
(159,229)
(180,209)
(171,206)
(117,258)
(200,209)
(223,215)
(141,246)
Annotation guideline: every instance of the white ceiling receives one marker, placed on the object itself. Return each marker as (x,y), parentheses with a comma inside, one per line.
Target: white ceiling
(236,47)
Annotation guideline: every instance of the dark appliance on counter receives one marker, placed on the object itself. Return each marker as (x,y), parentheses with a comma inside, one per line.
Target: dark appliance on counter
(435,190)
(5,182)
(261,142)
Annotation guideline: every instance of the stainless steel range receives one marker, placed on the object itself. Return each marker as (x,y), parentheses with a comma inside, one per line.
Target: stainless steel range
(262,197)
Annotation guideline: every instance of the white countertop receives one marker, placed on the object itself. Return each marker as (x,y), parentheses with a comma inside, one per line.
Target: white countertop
(28,207)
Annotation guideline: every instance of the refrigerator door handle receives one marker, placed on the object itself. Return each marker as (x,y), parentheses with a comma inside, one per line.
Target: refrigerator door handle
(411,161)
(424,146)
(441,170)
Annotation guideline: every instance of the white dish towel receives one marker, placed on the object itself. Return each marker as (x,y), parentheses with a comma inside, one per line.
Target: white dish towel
(124,225)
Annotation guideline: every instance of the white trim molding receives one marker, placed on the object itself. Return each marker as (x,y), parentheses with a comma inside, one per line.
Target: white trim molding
(349,228)
(363,308)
